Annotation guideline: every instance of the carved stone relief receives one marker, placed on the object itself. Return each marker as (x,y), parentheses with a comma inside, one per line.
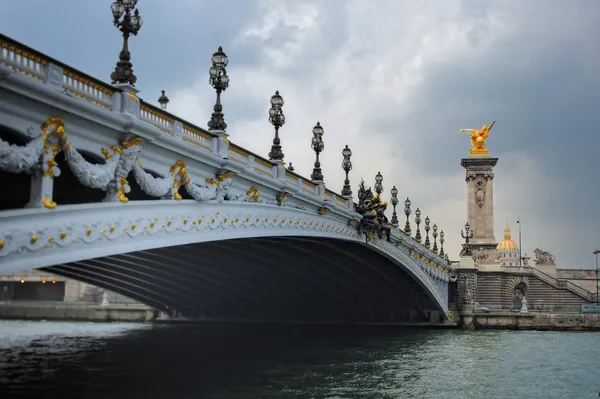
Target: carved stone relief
(480,188)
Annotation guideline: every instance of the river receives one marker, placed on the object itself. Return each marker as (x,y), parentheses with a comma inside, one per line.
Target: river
(111,361)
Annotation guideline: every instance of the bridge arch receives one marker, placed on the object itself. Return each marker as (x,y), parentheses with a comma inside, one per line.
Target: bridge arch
(204,259)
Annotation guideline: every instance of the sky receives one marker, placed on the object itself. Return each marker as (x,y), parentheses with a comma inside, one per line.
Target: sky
(394,80)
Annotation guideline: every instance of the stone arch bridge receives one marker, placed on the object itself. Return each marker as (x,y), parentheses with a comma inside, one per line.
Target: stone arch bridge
(103,187)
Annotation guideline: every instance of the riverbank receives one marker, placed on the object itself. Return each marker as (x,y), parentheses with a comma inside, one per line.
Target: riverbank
(77,312)
(537,321)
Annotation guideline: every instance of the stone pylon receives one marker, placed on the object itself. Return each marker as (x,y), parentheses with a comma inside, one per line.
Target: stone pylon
(480,201)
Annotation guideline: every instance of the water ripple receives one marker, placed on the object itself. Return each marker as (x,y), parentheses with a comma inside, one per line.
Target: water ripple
(91,360)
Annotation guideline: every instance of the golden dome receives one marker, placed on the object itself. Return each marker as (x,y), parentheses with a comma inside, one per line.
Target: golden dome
(507,244)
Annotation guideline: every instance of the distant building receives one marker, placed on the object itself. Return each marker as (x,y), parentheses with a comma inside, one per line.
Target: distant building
(508,250)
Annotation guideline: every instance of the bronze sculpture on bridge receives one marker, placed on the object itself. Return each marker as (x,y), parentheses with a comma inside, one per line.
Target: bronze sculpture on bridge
(372,209)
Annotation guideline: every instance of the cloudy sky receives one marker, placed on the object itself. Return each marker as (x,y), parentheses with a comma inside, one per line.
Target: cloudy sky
(393,79)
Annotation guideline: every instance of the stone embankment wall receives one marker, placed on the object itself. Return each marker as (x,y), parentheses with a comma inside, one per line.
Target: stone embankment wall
(63,311)
(538,321)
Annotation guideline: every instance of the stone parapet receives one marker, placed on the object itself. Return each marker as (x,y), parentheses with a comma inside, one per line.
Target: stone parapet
(538,321)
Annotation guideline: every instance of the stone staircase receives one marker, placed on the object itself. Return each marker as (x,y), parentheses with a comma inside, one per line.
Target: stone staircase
(495,290)
(491,289)
(563,284)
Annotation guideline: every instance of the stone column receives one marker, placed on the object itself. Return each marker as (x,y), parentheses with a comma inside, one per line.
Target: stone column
(480,200)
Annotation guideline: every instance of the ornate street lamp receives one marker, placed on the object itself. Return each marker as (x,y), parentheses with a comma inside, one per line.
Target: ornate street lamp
(277,119)
(291,167)
(467,235)
(220,82)
(394,202)
(347,166)
(427,221)
(378,185)
(318,146)
(418,222)
(129,25)
(163,100)
(442,243)
(435,234)
(407,213)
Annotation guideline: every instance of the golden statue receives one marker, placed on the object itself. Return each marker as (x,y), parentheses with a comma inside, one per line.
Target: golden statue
(478,139)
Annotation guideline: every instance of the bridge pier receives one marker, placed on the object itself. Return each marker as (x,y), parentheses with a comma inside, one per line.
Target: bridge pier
(435,316)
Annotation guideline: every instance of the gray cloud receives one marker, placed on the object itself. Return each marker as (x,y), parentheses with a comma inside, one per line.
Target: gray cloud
(394,79)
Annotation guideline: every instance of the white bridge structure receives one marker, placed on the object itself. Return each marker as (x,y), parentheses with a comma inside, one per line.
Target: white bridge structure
(101,186)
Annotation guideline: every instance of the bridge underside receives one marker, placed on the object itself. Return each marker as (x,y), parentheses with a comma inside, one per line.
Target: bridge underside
(262,279)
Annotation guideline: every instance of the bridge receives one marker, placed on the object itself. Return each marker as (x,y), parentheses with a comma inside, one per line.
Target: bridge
(104,187)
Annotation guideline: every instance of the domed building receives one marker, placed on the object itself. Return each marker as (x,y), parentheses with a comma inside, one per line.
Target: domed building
(508,250)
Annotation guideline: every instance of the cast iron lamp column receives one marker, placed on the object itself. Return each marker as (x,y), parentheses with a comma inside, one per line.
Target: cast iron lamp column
(378,185)
(128,25)
(347,166)
(435,234)
(418,222)
(277,119)
(442,243)
(394,202)
(427,228)
(220,82)
(407,213)
(318,146)
(596,252)
(163,100)
(520,258)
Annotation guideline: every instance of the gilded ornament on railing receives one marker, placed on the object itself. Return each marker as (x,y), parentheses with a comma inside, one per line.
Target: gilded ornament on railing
(133,97)
(282,198)
(179,175)
(323,211)
(478,139)
(253,194)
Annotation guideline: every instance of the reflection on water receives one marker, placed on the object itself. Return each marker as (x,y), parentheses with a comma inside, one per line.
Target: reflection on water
(88,360)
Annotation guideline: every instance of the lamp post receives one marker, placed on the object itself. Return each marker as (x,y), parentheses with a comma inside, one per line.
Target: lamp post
(442,243)
(427,221)
(277,119)
(596,252)
(129,25)
(520,258)
(418,222)
(347,166)
(394,202)
(291,167)
(318,146)
(467,235)
(163,100)
(220,82)
(435,234)
(407,213)
(378,185)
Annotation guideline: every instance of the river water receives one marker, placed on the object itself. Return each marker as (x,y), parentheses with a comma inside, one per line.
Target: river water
(110,361)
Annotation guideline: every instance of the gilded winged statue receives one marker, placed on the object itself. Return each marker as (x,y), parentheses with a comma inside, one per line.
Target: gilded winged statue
(478,139)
